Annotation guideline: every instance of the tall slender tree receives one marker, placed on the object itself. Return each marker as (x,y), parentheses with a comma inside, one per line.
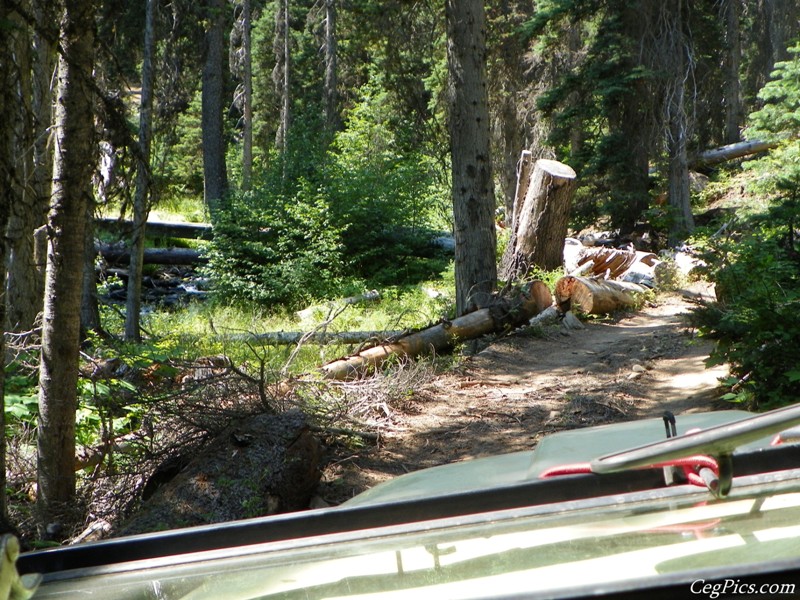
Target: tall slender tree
(473,187)
(733,50)
(331,83)
(8,116)
(141,199)
(282,73)
(72,173)
(34,54)
(247,99)
(215,174)
(677,65)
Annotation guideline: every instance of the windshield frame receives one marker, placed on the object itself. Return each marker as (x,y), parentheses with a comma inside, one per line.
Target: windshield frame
(567,496)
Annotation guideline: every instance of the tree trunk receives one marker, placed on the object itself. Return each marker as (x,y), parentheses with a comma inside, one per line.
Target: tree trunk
(25,280)
(331,101)
(733,55)
(524,169)
(281,74)
(473,185)
(72,173)
(632,142)
(678,126)
(9,114)
(141,203)
(247,100)
(442,336)
(90,310)
(541,221)
(215,176)
(157,229)
(595,296)
(152,256)
(730,152)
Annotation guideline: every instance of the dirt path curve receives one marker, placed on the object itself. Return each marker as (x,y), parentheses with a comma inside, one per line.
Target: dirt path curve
(507,396)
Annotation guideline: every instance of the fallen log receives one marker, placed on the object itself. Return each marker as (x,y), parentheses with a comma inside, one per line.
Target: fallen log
(115,254)
(156,229)
(504,313)
(730,152)
(595,296)
(286,338)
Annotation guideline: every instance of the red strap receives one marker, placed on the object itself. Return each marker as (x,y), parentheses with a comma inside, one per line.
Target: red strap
(691,466)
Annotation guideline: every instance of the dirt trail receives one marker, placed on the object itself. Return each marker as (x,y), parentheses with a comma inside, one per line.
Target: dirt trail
(506,397)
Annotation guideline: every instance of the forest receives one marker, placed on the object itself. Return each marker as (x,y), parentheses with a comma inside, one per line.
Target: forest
(326,145)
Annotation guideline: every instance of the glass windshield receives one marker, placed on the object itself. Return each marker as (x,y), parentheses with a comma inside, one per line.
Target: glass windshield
(517,551)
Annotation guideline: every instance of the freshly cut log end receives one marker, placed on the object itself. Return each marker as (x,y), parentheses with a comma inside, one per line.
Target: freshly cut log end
(595,296)
(540,221)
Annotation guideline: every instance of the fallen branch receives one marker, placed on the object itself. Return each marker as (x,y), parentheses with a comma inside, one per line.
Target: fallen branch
(371,296)
(287,338)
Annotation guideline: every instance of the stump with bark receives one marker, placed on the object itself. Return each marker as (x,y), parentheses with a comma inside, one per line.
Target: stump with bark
(540,220)
(595,296)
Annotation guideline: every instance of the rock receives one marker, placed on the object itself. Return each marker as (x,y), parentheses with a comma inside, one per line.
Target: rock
(276,470)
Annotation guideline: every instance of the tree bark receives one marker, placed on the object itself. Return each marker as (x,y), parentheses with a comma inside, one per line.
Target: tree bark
(541,221)
(72,173)
(678,126)
(24,285)
(733,57)
(524,168)
(141,198)
(90,309)
(152,256)
(473,185)
(247,101)
(157,229)
(215,175)
(595,296)
(331,92)
(730,152)
(281,74)
(9,104)
(442,336)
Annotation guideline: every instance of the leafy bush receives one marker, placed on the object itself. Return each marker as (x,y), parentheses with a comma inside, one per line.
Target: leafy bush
(755,323)
(276,249)
(758,269)
(357,211)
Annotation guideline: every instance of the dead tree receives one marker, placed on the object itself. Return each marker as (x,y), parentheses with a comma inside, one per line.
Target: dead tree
(502,315)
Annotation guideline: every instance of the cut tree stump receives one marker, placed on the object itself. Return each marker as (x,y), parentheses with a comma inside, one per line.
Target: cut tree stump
(540,223)
(595,296)
(504,313)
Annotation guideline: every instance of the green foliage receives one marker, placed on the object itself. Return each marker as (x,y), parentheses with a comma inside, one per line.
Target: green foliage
(382,193)
(779,120)
(359,210)
(598,108)
(757,272)
(274,248)
(755,323)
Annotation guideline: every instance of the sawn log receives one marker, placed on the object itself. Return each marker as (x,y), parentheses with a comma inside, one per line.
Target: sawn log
(505,313)
(595,296)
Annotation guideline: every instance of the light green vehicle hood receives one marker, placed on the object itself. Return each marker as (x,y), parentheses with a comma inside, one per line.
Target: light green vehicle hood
(566,447)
